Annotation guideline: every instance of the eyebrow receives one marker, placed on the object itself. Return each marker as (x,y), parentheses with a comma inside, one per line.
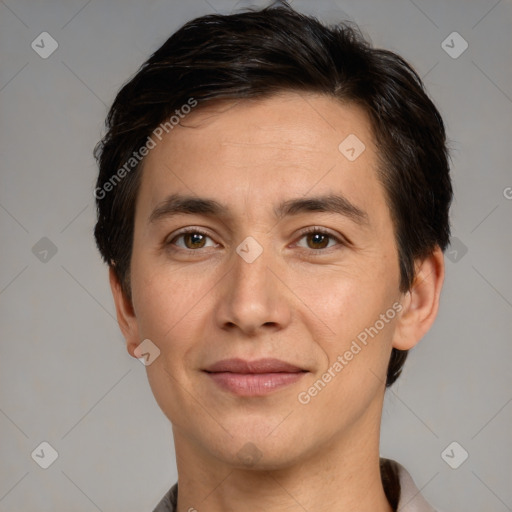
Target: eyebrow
(176,204)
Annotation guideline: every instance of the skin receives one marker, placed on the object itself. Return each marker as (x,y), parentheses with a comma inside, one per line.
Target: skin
(302,301)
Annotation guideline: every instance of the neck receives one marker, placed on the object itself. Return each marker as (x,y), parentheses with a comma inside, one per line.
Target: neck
(343,474)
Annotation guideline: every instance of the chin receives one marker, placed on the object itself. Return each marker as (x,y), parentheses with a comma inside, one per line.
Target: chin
(255,449)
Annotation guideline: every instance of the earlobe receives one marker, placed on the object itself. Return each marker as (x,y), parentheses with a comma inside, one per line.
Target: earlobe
(125,313)
(421,302)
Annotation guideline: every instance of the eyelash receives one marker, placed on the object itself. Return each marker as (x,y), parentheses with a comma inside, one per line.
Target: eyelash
(305,232)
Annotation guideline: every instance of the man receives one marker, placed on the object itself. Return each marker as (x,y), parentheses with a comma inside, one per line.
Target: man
(273,204)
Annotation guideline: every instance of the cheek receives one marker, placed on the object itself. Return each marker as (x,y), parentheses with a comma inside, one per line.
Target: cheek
(160,297)
(351,312)
(172,306)
(169,310)
(357,355)
(162,306)
(342,300)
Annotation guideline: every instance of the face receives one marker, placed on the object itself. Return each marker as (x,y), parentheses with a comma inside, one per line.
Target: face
(274,299)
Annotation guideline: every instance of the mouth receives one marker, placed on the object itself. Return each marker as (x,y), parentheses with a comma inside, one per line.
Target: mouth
(254,378)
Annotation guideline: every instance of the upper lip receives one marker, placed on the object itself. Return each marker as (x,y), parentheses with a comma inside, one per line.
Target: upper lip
(258,366)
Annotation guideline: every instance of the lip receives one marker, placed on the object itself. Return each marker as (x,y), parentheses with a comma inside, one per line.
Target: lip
(253,378)
(253,367)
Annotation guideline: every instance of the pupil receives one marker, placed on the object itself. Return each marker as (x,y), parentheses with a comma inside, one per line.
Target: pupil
(318,238)
(196,238)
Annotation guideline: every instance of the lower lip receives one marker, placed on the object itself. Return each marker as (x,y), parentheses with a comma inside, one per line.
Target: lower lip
(254,384)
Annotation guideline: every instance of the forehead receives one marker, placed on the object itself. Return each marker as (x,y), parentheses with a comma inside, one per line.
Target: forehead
(294,123)
(254,151)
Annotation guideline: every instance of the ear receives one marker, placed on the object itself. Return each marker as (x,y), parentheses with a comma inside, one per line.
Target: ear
(421,302)
(125,313)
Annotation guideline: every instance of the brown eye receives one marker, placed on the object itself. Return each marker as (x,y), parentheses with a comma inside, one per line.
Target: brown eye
(194,240)
(317,239)
(191,240)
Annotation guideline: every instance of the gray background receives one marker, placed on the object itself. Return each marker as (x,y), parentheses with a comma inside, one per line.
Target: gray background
(65,376)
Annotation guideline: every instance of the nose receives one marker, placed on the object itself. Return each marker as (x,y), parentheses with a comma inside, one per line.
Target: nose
(252,299)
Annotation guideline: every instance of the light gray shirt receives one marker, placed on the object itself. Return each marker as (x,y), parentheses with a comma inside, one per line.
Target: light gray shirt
(410,499)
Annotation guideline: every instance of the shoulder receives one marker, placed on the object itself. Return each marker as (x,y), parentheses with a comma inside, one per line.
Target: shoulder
(410,498)
(168,502)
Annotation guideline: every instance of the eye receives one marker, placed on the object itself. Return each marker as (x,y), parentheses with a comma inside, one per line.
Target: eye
(317,238)
(192,239)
